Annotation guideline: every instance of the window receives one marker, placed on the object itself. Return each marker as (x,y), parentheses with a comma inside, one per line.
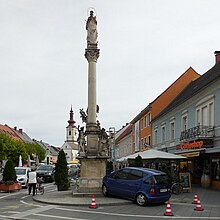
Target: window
(172,131)
(149,140)
(163,134)
(155,137)
(141,123)
(121,174)
(205,111)
(69,132)
(142,143)
(145,121)
(150,181)
(135,175)
(148,119)
(184,122)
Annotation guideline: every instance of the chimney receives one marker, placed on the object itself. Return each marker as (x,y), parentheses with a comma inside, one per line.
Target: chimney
(217,57)
(15,128)
(20,130)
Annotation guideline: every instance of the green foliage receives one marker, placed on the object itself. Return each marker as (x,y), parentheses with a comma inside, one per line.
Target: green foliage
(36,149)
(61,170)
(109,167)
(40,152)
(9,174)
(10,148)
(5,143)
(137,162)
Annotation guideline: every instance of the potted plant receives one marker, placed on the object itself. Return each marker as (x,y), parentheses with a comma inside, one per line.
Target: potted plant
(9,181)
(61,172)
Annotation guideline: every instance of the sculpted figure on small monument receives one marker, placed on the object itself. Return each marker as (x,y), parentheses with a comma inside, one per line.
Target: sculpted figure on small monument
(103,143)
(81,141)
(91,26)
(83,115)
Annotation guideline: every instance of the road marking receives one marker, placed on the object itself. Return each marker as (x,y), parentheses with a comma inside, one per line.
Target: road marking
(61,217)
(10,194)
(33,211)
(30,204)
(136,216)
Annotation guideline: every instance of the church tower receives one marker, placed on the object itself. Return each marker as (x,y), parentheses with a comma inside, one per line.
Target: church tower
(71,129)
(70,146)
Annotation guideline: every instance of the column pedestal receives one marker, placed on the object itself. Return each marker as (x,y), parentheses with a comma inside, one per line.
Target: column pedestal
(93,169)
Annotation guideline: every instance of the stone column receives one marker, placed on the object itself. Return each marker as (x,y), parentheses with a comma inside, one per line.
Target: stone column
(93,162)
(92,54)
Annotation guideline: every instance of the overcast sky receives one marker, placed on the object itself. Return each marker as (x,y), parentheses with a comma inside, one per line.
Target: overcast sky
(145,46)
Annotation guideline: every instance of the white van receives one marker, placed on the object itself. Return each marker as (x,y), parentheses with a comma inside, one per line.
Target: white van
(22,175)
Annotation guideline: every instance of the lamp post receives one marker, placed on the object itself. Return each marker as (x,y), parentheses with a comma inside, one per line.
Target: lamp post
(112,144)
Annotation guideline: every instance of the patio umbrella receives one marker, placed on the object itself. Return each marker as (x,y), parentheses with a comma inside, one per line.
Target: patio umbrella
(154,154)
(20,161)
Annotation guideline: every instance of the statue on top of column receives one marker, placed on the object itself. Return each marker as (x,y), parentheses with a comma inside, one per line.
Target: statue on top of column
(91,27)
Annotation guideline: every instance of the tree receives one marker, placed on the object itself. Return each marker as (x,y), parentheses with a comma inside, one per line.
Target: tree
(137,162)
(9,173)
(109,167)
(61,172)
(36,149)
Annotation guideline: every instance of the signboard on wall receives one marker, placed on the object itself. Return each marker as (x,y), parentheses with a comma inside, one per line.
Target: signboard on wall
(137,136)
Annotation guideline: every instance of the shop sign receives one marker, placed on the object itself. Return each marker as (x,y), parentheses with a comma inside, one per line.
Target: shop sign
(192,154)
(192,145)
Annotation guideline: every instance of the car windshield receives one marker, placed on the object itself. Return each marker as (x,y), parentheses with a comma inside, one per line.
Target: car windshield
(20,171)
(161,179)
(45,168)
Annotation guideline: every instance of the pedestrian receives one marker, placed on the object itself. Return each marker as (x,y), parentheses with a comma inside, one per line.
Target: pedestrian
(32,181)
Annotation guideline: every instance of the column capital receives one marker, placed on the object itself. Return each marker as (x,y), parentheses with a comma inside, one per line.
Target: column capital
(92,54)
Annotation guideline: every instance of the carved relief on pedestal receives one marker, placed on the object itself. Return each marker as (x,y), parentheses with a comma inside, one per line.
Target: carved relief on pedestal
(103,143)
(81,141)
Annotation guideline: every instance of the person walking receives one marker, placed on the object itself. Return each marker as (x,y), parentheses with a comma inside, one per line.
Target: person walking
(32,181)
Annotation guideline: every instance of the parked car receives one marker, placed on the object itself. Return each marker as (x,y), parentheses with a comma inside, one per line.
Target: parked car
(139,184)
(46,172)
(22,175)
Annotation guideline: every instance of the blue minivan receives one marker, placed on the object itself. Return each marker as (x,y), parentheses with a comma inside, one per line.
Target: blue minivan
(139,184)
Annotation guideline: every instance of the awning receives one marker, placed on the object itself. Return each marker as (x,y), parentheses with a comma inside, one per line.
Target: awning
(153,154)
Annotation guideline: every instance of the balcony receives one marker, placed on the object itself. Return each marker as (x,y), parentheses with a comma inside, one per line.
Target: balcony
(198,132)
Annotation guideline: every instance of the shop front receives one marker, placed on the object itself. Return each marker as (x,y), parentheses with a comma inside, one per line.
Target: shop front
(195,143)
(214,154)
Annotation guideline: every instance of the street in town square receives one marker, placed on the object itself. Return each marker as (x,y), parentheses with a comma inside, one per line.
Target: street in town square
(61,205)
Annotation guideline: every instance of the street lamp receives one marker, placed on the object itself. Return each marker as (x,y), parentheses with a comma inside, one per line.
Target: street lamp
(112,144)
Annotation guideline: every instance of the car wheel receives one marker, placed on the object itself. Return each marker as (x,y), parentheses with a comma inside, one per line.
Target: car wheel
(141,199)
(104,190)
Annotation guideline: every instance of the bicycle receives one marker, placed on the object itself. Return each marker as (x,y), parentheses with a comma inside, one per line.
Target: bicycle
(176,188)
(39,186)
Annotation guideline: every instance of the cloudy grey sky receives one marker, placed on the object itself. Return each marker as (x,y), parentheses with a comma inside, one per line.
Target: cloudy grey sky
(145,46)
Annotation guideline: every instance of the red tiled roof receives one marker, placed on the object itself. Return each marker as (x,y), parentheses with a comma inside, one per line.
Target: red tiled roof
(5,129)
(124,133)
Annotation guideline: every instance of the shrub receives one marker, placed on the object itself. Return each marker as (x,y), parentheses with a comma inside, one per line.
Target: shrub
(61,170)
(9,173)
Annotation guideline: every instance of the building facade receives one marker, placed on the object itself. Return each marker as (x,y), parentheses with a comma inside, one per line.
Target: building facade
(190,126)
(141,124)
(123,144)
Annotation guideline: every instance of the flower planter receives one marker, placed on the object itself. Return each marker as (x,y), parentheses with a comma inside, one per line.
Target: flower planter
(10,187)
(62,188)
